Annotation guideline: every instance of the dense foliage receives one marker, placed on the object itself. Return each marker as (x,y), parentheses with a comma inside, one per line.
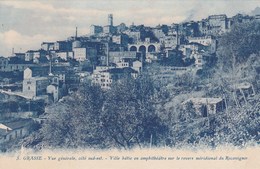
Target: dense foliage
(236,46)
(123,117)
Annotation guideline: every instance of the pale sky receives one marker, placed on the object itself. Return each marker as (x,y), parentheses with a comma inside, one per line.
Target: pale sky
(25,24)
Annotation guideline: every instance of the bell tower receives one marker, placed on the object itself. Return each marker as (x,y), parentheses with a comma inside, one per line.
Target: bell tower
(110,19)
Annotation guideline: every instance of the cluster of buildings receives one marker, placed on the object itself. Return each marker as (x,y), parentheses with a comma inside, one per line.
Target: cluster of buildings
(109,53)
(10,131)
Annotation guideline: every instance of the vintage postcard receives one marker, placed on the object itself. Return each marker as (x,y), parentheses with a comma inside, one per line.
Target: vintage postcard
(130,84)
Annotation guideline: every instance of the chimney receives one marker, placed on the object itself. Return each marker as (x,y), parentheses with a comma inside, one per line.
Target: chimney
(76,35)
(12,51)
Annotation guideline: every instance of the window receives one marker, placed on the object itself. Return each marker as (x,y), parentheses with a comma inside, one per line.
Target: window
(21,132)
(212,107)
(29,88)
(29,82)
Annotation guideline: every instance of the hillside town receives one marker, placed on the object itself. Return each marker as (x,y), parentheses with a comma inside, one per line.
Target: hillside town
(35,79)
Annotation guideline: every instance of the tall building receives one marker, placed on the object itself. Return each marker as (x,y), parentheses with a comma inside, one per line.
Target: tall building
(218,24)
(110,19)
(34,86)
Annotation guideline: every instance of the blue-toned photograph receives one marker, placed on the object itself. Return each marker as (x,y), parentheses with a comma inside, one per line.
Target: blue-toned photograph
(127,75)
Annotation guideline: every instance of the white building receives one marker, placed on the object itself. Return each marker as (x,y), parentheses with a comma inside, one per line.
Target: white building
(34,86)
(34,56)
(170,41)
(82,54)
(137,65)
(14,130)
(122,64)
(206,41)
(217,24)
(199,61)
(117,56)
(53,90)
(105,78)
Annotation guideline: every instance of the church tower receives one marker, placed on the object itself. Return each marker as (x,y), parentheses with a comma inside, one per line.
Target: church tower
(110,19)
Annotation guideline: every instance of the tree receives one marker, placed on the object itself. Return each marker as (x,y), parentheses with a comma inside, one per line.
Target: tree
(129,116)
(187,112)
(74,122)
(174,59)
(123,117)
(237,45)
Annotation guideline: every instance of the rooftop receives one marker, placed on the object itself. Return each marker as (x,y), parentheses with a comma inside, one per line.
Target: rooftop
(40,78)
(201,100)
(121,70)
(44,70)
(16,124)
